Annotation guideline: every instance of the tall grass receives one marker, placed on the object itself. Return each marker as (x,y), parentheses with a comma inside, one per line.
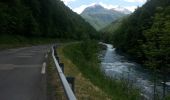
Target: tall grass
(84,56)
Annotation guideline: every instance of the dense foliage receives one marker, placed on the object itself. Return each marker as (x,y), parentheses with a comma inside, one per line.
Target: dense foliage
(106,34)
(145,35)
(113,26)
(137,29)
(45,18)
(156,47)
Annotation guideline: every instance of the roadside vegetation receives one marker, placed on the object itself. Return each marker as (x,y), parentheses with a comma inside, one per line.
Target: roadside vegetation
(84,89)
(84,56)
(15,41)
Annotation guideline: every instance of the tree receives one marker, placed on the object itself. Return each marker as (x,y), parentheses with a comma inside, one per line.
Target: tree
(157,48)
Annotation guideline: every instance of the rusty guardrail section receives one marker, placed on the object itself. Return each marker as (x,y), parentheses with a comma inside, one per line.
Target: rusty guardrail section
(68,91)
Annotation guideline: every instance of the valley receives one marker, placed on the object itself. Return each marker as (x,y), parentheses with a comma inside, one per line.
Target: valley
(113,49)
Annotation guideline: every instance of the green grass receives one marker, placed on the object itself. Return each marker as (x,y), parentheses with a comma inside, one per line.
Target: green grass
(90,68)
(167,97)
(82,84)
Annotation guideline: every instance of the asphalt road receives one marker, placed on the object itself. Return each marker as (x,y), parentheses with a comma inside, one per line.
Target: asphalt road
(20,73)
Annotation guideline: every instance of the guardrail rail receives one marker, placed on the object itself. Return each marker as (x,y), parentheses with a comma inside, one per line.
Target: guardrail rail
(67,89)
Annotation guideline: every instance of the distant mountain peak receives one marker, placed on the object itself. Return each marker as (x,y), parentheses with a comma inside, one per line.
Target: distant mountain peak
(96,6)
(99,16)
(122,10)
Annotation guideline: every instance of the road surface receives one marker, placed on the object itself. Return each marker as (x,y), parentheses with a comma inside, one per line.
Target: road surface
(20,73)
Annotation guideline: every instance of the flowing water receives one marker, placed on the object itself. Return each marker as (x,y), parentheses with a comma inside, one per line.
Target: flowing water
(117,66)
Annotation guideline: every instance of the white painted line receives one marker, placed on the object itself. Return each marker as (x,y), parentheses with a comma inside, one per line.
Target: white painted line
(46,56)
(43,68)
(167,83)
(6,67)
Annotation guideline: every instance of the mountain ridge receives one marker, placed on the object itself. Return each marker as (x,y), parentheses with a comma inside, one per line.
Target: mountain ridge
(100,17)
(121,9)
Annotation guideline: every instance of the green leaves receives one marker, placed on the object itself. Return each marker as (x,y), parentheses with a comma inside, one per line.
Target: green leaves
(157,47)
(148,25)
(89,48)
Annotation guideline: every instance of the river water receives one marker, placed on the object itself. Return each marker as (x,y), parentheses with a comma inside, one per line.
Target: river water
(117,66)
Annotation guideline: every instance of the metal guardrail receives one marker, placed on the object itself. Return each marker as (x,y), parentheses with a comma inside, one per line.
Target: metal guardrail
(67,88)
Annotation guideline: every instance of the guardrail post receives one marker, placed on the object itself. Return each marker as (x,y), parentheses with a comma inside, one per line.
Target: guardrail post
(71,82)
(62,66)
(58,59)
(55,53)
(55,48)
(65,81)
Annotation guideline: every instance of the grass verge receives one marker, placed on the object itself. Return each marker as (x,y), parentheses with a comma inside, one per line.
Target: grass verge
(55,89)
(90,69)
(84,88)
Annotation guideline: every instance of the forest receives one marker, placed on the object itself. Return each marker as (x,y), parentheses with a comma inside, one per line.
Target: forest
(145,37)
(145,34)
(42,18)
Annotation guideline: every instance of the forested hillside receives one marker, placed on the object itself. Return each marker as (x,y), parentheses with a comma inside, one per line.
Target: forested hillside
(42,18)
(148,25)
(113,26)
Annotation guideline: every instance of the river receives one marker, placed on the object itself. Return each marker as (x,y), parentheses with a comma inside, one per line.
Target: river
(118,66)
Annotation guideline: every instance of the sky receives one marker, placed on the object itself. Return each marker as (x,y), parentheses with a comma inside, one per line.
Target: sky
(79,5)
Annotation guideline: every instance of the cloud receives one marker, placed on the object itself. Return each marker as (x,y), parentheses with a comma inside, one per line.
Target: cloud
(108,6)
(80,9)
(67,1)
(142,1)
(131,8)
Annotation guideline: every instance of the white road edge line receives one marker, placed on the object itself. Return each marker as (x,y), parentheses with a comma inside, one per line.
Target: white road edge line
(46,56)
(43,68)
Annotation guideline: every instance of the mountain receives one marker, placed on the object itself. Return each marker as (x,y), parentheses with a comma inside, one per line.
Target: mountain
(99,17)
(122,10)
(112,27)
(42,18)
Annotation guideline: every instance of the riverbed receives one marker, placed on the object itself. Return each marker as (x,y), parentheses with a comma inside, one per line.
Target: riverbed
(119,67)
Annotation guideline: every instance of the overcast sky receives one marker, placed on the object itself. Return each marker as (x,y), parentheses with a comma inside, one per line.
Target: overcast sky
(79,5)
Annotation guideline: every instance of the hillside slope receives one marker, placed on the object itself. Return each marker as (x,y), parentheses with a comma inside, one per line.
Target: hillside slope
(145,36)
(112,27)
(47,18)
